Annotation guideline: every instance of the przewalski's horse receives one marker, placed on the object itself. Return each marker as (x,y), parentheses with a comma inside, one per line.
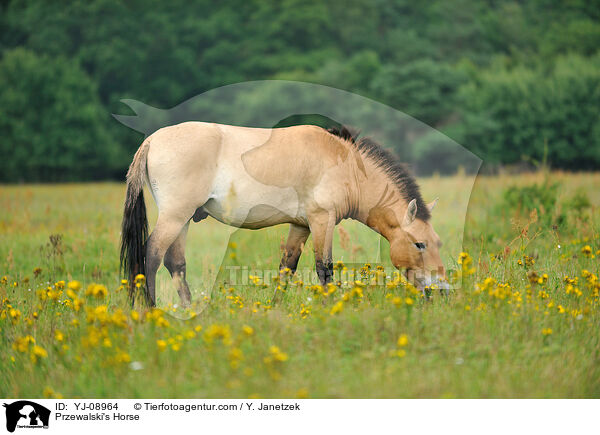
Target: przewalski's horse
(306,176)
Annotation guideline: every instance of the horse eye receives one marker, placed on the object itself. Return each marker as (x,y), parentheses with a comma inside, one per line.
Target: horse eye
(420,246)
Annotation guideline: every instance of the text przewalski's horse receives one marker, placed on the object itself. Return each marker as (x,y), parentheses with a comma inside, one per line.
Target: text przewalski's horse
(253,178)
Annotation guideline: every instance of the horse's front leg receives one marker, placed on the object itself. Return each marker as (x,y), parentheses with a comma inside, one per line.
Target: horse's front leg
(322,226)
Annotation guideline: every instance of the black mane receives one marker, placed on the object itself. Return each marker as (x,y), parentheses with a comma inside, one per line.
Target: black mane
(398,172)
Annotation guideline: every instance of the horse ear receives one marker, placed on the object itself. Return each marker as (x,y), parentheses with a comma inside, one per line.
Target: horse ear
(432,204)
(411,213)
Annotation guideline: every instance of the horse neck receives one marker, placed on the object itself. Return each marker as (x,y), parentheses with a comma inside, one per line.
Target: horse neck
(379,196)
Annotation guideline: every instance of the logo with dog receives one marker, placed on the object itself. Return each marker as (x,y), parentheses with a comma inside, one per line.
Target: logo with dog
(25,414)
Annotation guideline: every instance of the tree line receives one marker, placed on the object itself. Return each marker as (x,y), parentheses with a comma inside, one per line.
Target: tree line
(512,81)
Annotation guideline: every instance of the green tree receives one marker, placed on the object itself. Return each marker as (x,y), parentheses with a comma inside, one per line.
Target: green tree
(533,113)
(414,56)
(53,126)
(424,89)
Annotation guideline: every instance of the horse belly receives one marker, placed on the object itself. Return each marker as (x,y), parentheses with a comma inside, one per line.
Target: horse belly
(253,205)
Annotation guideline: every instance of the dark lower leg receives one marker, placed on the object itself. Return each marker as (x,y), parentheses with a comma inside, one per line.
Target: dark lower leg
(322,226)
(153,260)
(324,271)
(177,268)
(293,248)
(290,260)
(178,275)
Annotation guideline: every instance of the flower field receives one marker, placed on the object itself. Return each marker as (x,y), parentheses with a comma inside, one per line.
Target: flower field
(523,319)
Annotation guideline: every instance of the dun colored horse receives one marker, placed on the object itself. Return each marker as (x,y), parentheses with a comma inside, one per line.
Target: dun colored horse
(306,176)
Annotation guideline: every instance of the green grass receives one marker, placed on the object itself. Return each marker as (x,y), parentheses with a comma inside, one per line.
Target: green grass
(475,343)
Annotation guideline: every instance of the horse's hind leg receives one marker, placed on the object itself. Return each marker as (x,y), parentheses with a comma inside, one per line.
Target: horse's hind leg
(175,263)
(293,248)
(166,231)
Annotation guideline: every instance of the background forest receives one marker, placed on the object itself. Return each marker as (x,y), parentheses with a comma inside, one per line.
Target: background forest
(515,82)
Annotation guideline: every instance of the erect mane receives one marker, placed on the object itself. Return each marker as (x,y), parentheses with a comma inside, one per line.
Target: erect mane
(398,172)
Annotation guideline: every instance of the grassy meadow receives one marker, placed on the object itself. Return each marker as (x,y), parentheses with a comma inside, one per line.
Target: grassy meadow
(523,320)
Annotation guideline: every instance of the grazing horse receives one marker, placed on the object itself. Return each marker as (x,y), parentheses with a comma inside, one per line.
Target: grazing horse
(306,176)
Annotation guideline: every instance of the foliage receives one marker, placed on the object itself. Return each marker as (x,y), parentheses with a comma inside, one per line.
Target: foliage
(579,203)
(538,197)
(510,114)
(502,78)
(424,89)
(52,122)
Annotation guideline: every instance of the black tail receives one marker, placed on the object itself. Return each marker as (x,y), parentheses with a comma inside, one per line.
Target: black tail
(134,233)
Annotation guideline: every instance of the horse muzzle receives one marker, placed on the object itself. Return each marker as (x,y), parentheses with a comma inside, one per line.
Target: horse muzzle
(429,283)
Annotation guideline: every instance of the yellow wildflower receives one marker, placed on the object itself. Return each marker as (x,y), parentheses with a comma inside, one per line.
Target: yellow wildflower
(275,355)
(465,261)
(337,308)
(402,340)
(400,353)
(38,352)
(302,393)
(96,290)
(14,314)
(122,357)
(21,344)
(218,332)
(235,357)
